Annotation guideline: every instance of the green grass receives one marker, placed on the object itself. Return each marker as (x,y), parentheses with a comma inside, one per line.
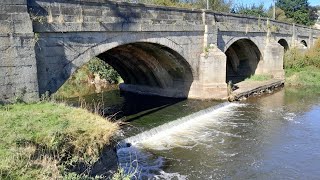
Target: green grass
(303,68)
(77,85)
(39,141)
(259,78)
(306,76)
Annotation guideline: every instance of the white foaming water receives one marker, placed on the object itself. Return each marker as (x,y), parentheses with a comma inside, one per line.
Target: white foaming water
(185,132)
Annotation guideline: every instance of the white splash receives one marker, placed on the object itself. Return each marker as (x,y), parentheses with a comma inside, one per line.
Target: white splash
(185,132)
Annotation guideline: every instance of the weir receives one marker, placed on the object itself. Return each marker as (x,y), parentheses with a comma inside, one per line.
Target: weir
(134,154)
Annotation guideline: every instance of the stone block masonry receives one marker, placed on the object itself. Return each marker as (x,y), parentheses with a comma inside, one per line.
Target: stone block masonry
(165,51)
(18,70)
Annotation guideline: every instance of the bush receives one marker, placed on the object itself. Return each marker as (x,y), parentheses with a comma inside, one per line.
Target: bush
(303,68)
(295,59)
(105,71)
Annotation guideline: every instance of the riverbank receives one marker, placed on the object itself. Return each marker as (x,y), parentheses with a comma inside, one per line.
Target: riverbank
(302,68)
(49,140)
(303,77)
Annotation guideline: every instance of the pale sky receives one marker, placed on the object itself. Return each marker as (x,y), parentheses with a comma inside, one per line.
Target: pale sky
(267,3)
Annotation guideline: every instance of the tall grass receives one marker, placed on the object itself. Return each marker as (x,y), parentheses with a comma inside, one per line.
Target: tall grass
(45,140)
(259,77)
(303,68)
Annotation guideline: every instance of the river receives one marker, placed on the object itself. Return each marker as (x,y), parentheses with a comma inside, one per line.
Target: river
(275,136)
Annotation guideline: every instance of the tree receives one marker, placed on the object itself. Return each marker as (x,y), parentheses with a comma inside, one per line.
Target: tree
(252,10)
(220,5)
(280,15)
(314,15)
(215,5)
(299,10)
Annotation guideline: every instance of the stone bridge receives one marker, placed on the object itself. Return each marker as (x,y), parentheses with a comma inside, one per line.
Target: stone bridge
(157,50)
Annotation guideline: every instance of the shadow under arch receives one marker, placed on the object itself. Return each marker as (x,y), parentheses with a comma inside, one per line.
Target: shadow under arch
(304,43)
(148,69)
(284,44)
(165,57)
(243,57)
(151,69)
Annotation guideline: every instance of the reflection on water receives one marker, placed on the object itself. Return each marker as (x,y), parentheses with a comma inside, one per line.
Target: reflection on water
(270,137)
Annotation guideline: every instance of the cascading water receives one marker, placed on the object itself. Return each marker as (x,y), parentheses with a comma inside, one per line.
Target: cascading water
(271,137)
(134,154)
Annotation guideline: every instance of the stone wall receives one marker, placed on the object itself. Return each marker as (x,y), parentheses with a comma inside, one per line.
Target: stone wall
(18,71)
(48,40)
(110,16)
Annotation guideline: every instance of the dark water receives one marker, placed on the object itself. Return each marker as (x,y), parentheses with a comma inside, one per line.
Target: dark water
(271,137)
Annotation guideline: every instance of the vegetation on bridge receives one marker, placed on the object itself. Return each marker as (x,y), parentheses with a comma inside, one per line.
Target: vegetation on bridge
(303,68)
(216,5)
(48,140)
(291,11)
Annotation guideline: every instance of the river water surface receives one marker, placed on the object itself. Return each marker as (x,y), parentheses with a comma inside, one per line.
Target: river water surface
(276,136)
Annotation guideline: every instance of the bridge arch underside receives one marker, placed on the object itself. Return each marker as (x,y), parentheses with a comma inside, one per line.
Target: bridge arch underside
(304,43)
(284,44)
(243,57)
(149,68)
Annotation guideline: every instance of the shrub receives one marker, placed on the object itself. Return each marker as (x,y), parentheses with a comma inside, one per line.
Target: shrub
(303,68)
(105,71)
(295,59)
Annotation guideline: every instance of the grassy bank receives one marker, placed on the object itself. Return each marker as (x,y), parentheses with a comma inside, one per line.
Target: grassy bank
(303,68)
(48,140)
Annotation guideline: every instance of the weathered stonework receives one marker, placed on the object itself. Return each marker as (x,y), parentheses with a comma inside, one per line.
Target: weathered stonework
(158,50)
(18,71)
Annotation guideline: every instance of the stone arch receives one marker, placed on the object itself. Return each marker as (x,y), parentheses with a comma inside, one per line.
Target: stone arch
(151,67)
(148,65)
(260,46)
(304,43)
(284,44)
(243,57)
(119,40)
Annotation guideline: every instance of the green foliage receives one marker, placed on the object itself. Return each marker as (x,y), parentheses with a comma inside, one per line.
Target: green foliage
(303,68)
(215,5)
(121,175)
(280,15)
(219,5)
(105,71)
(252,10)
(260,77)
(299,10)
(75,176)
(295,59)
(306,76)
(79,84)
(290,11)
(163,2)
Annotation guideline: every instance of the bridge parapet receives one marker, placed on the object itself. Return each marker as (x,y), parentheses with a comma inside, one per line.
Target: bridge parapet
(235,22)
(109,16)
(74,15)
